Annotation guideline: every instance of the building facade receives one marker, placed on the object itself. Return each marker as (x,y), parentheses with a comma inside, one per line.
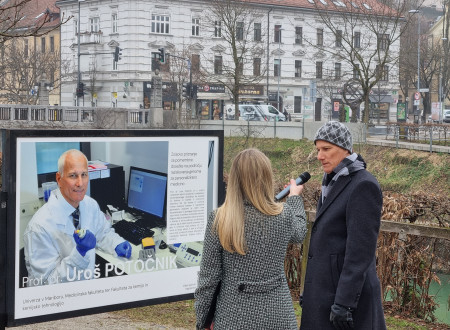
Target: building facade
(289,66)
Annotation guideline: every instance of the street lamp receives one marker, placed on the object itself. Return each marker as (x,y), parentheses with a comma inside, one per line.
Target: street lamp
(78,33)
(417,11)
(279,67)
(441,104)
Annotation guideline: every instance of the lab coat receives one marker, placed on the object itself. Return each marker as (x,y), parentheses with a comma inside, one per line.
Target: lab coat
(50,251)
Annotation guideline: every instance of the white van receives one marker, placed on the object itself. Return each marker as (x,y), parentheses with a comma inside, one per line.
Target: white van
(255,112)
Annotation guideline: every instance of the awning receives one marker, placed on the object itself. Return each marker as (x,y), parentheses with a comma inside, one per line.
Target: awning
(381,98)
(252,97)
(213,96)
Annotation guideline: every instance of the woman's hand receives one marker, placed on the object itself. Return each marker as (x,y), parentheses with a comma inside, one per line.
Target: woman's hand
(295,189)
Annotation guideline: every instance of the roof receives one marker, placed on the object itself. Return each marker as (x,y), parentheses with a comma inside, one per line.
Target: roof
(33,13)
(368,7)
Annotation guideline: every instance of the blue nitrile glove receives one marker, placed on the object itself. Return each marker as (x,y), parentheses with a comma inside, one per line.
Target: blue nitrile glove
(341,317)
(124,249)
(86,243)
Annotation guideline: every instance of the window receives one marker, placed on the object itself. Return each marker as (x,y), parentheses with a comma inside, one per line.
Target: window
(319,70)
(75,24)
(298,69)
(217,29)
(25,48)
(52,44)
(240,31)
(357,40)
(43,45)
(277,67)
(257,32)
(217,64)
(297,104)
(94,23)
(319,37)
(383,41)
(298,35)
(277,33)
(114,22)
(339,4)
(256,66)
(160,24)
(356,71)
(196,27)
(195,65)
(337,71)
(384,74)
(338,38)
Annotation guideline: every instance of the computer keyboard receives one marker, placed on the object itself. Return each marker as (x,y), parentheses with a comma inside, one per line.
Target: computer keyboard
(132,231)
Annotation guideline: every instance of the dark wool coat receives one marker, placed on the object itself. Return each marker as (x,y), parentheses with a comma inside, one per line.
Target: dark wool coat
(254,292)
(341,258)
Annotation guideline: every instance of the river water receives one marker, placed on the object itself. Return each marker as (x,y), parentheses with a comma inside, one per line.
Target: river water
(442,293)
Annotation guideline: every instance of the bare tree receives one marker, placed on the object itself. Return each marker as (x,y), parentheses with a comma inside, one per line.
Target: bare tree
(22,70)
(234,22)
(365,36)
(14,22)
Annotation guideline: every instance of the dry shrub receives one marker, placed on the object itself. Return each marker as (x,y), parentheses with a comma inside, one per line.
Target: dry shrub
(419,207)
(405,267)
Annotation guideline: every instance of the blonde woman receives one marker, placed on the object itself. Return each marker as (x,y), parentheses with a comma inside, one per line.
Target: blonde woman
(244,250)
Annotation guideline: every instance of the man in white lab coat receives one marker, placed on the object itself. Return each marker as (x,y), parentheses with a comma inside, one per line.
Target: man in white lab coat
(61,238)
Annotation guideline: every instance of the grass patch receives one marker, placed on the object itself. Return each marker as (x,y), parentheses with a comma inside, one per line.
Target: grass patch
(181,314)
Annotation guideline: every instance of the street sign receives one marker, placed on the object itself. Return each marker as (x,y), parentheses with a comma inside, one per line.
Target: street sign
(424,90)
(416,96)
(416,102)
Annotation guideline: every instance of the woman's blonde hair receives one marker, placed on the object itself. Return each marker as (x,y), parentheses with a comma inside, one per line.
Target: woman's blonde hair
(250,180)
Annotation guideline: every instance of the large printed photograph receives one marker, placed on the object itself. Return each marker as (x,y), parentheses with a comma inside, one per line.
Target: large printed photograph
(106,220)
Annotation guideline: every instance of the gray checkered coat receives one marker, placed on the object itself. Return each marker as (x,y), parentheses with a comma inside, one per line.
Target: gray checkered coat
(254,292)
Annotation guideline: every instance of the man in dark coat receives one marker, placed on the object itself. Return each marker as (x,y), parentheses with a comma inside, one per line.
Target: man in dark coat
(342,289)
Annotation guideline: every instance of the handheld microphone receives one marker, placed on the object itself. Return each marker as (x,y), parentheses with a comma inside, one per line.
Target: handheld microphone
(303,178)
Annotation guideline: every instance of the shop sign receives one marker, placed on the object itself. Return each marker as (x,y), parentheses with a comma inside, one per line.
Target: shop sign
(210,89)
(251,90)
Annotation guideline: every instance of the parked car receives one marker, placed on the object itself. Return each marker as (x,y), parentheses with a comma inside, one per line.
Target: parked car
(446,116)
(255,112)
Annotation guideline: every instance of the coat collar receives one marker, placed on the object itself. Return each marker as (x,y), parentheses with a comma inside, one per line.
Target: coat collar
(334,193)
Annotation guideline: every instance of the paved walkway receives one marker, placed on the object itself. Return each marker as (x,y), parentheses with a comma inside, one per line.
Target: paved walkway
(380,141)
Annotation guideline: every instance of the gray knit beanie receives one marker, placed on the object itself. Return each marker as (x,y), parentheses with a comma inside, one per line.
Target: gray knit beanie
(335,133)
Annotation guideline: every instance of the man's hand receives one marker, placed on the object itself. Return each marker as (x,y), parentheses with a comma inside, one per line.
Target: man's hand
(341,317)
(86,243)
(124,249)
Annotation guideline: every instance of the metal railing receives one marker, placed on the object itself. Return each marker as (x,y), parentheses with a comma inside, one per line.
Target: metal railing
(427,134)
(35,115)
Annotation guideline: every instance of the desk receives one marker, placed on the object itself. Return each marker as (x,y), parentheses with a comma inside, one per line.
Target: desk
(164,259)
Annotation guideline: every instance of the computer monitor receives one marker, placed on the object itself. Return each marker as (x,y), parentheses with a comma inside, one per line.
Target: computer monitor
(147,191)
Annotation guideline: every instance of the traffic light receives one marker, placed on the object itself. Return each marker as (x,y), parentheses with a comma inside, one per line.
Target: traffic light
(162,55)
(80,89)
(186,90)
(117,53)
(194,91)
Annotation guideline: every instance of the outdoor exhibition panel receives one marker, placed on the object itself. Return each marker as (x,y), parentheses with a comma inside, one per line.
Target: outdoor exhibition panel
(163,181)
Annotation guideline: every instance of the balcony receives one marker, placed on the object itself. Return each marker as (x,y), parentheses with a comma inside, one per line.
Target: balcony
(91,37)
